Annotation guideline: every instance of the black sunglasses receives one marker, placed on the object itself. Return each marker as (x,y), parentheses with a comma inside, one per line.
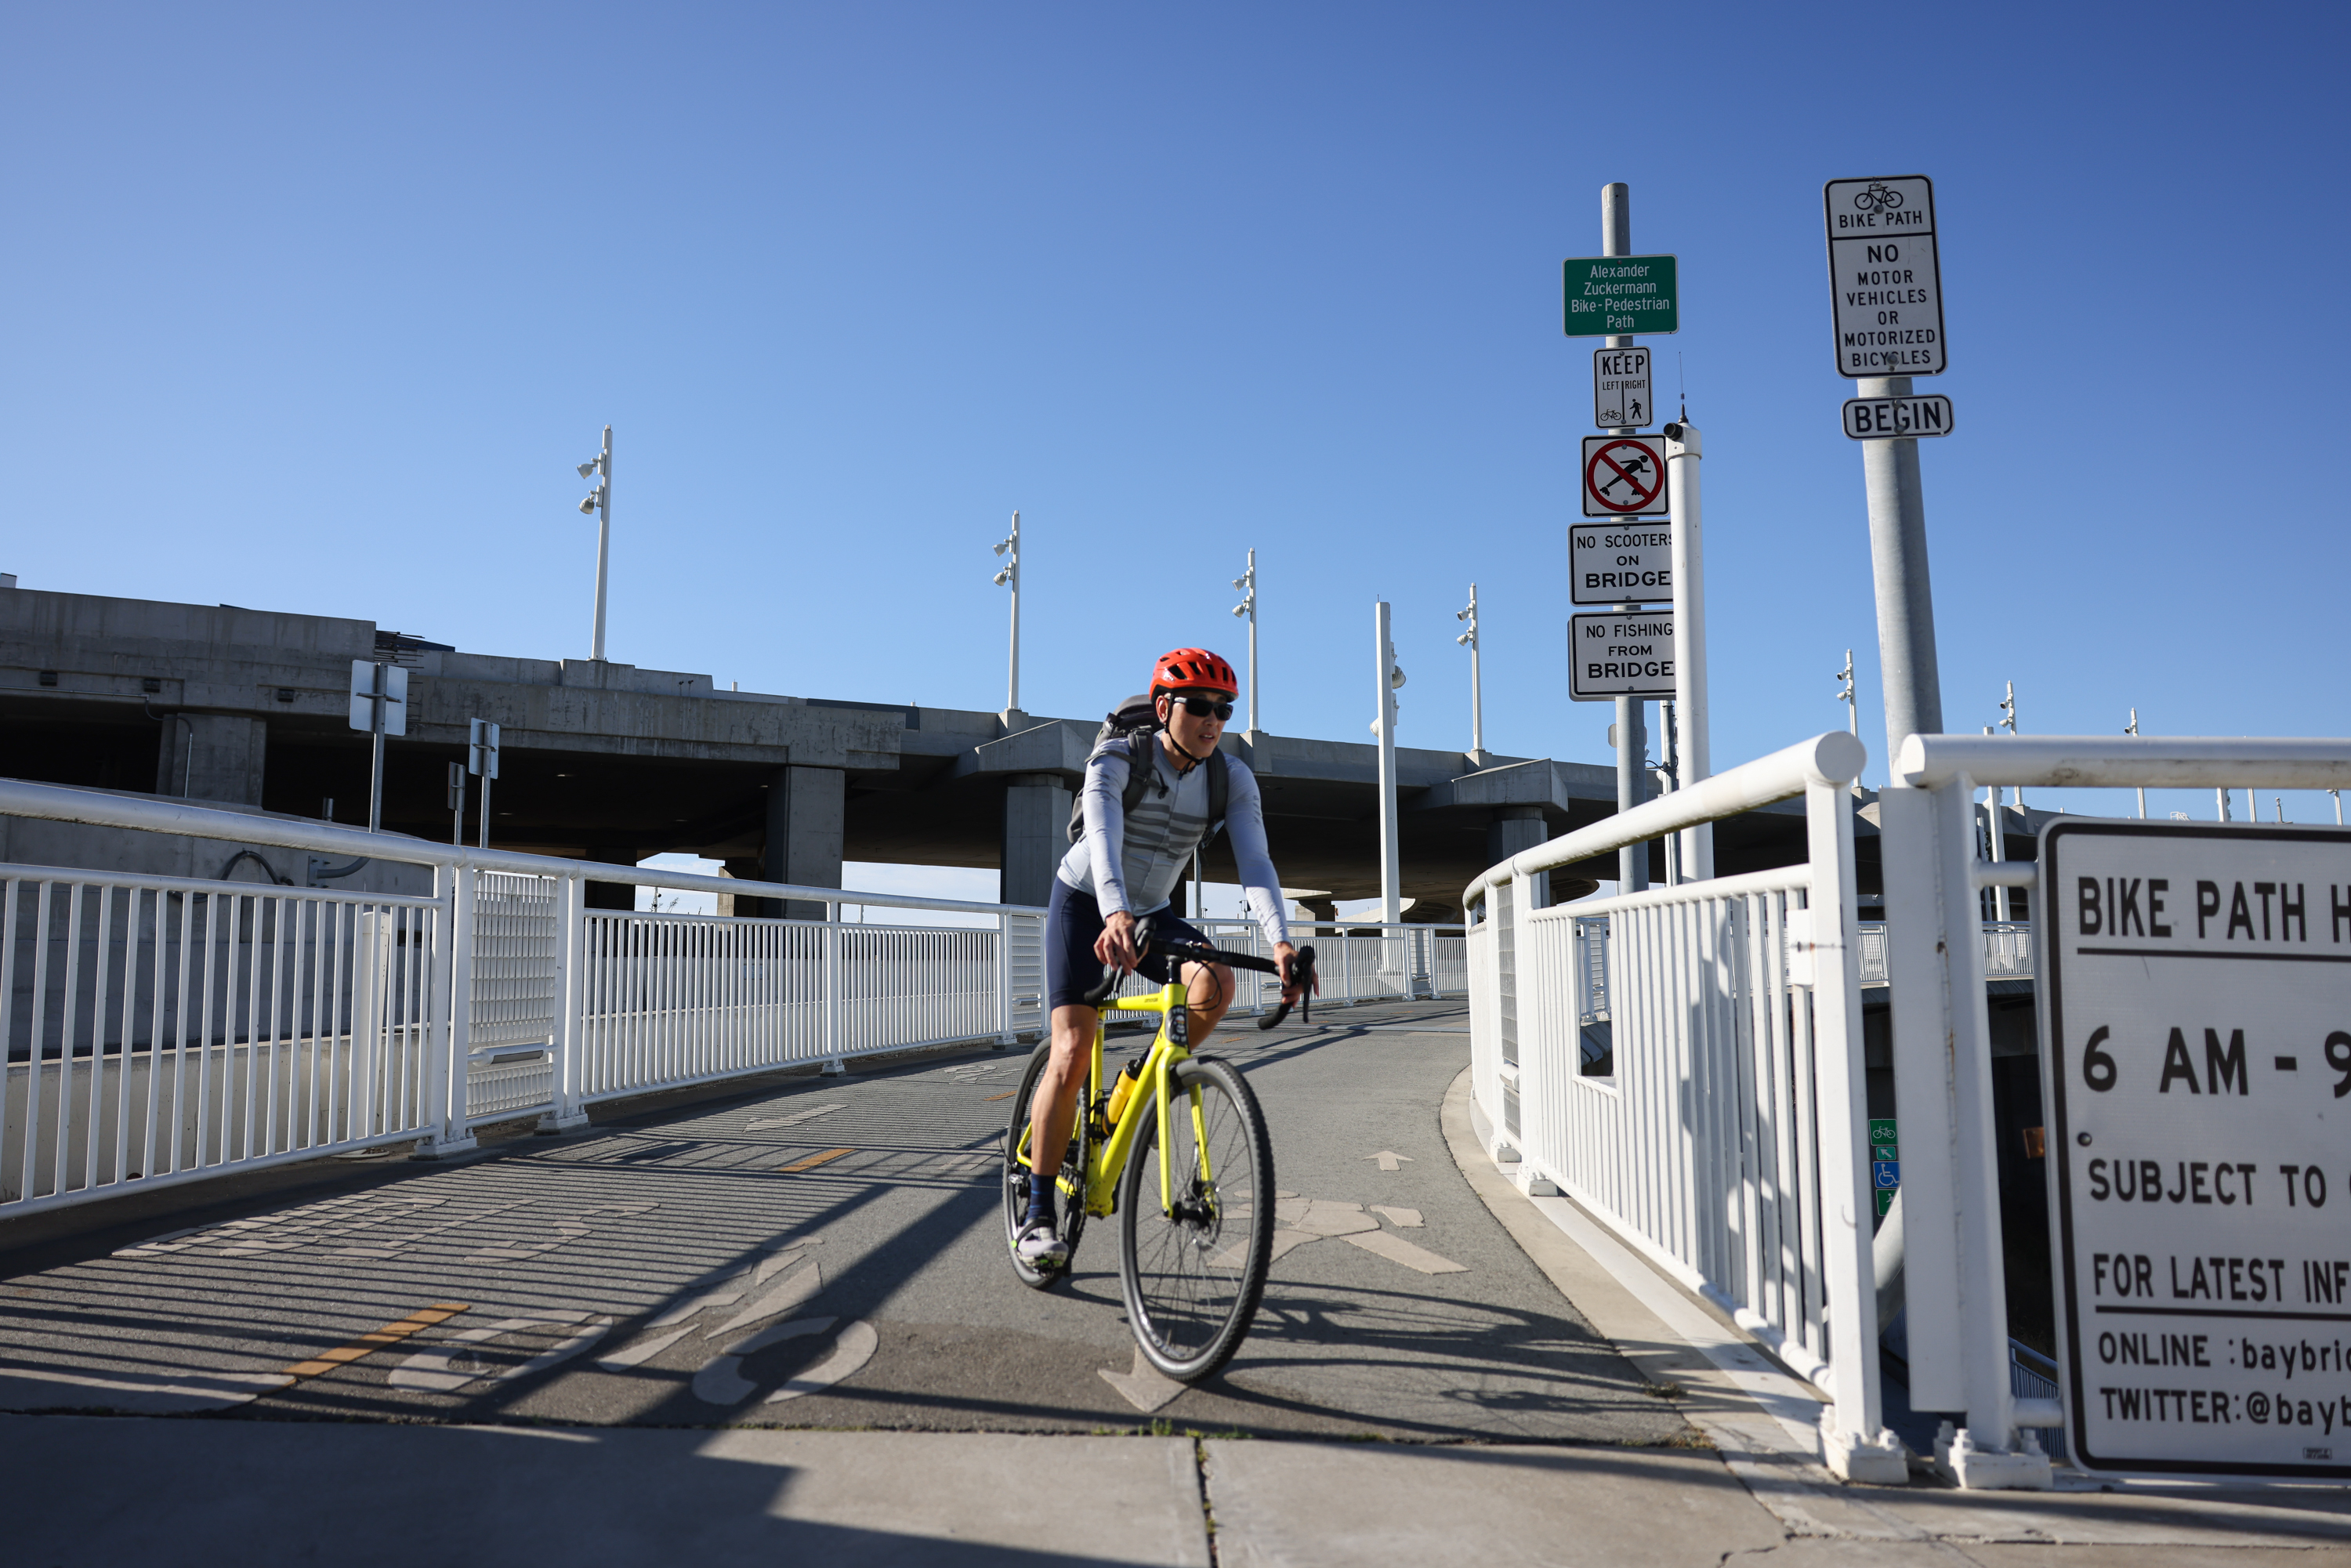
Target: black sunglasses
(1201,708)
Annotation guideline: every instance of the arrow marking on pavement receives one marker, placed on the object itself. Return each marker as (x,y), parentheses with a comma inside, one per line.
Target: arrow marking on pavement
(1390,1160)
(1146,1387)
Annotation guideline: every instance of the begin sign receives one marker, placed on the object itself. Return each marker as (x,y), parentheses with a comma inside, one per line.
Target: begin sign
(2196,1061)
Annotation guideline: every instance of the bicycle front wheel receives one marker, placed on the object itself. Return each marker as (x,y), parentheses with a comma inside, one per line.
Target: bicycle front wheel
(1194,1267)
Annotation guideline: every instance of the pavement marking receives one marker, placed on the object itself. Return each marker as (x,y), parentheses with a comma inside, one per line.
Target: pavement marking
(1390,1160)
(722,1382)
(799,1286)
(447,1371)
(643,1351)
(850,1352)
(814,1161)
(1396,1249)
(678,1314)
(1325,1218)
(182,1391)
(368,1343)
(797,1117)
(1146,1387)
(1007,1095)
(1405,1218)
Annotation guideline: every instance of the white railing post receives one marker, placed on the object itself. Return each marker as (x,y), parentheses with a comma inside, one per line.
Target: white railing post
(452,983)
(1954,1277)
(1005,1036)
(1854,1439)
(570,1031)
(833,1063)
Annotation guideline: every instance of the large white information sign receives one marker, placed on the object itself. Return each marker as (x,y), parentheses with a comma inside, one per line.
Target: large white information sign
(1620,563)
(1883,276)
(1626,654)
(2196,1069)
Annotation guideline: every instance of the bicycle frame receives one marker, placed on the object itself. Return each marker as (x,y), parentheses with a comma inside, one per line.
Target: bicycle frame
(1169,1046)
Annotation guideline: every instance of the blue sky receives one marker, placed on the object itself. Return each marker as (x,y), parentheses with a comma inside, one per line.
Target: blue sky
(316,308)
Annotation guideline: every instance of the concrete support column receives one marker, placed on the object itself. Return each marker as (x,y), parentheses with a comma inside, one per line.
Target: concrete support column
(805,828)
(213,757)
(1036,836)
(1515,829)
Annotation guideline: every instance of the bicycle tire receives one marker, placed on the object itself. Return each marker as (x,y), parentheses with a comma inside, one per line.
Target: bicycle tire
(1193,1279)
(1069,1214)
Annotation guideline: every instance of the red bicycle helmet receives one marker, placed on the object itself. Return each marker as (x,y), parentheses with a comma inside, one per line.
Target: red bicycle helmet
(1189,669)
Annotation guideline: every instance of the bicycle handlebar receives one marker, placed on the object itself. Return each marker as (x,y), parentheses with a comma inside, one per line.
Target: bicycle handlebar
(1301,970)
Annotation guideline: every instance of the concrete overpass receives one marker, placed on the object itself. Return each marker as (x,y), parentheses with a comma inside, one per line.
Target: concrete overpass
(610,762)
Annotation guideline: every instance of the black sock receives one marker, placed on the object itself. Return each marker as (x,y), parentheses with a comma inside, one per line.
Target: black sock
(1040,1202)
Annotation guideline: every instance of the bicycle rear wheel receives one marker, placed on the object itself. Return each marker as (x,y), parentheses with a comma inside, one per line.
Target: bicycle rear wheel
(1069,1214)
(1193,1277)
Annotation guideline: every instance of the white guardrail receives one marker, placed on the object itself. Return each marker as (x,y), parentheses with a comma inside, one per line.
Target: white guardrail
(159,1029)
(1716,1119)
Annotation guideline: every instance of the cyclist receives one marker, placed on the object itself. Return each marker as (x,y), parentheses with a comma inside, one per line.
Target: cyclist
(1126,866)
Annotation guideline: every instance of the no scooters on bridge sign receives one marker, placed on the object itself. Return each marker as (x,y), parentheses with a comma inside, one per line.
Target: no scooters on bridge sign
(1623,475)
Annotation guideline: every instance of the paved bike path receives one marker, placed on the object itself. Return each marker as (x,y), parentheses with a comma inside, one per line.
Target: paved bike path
(828,1252)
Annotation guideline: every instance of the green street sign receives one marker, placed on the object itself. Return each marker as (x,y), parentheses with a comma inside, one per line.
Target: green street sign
(1613,295)
(1881,1129)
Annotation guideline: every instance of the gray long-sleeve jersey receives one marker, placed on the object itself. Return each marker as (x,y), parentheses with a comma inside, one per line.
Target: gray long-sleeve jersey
(1134,862)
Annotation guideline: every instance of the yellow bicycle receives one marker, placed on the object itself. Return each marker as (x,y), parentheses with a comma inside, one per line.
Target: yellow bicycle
(1195,1225)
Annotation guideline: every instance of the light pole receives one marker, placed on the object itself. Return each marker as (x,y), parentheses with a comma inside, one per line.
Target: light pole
(1009,546)
(2132,728)
(1469,640)
(2008,722)
(599,505)
(1845,695)
(1390,678)
(1247,583)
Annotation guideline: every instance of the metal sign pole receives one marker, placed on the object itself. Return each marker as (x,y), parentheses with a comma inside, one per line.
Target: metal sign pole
(375,757)
(1391,872)
(1632,737)
(1683,456)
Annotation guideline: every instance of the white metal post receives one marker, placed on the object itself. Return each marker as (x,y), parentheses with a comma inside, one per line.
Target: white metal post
(1477,693)
(1692,763)
(570,1033)
(601,502)
(1010,576)
(2132,728)
(445,1071)
(1391,871)
(1247,583)
(1856,1444)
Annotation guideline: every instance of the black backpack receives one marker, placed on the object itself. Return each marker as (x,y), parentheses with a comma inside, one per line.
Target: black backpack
(1136,721)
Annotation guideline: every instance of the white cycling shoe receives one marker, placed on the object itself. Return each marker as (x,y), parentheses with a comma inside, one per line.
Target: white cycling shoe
(1041,1248)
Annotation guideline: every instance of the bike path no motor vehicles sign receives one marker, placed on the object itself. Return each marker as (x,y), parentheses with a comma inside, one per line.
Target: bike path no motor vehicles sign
(1625,655)
(1620,563)
(1885,286)
(2196,1072)
(1623,475)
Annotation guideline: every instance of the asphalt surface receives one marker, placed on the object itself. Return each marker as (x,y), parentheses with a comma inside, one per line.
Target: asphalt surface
(828,1253)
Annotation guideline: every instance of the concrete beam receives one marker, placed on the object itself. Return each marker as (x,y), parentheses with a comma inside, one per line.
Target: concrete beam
(804,833)
(212,756)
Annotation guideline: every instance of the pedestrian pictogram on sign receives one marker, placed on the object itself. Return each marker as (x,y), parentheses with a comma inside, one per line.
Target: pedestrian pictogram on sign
(1623,475)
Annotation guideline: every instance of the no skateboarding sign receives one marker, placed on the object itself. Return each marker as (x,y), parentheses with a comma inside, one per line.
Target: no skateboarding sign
(1623,475)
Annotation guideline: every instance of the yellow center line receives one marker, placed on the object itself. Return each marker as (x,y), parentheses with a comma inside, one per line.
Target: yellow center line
(1007,1095)
(368,1343)
(814,1161)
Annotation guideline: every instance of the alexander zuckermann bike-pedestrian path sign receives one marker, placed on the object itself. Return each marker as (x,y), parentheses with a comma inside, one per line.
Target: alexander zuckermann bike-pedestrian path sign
(1616,296)
(2195,1074)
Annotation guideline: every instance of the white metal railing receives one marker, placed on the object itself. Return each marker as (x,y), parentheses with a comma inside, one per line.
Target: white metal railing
(1357,961)
(160,1029)
(1723,1132)
(157,1028)
(2007,949)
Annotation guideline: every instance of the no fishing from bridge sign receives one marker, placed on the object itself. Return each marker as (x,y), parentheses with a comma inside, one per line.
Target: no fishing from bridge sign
(1627,653)
(1623,475)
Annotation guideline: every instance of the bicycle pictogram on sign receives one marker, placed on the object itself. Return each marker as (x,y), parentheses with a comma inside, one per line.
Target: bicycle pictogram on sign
(1623,475)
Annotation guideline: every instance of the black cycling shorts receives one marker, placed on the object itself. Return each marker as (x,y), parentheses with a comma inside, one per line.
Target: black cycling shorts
(1073,921)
